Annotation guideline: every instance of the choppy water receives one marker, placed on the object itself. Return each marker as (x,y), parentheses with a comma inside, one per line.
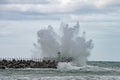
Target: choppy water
(94,71)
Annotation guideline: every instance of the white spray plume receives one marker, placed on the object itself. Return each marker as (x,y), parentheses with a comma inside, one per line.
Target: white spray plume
(69,44)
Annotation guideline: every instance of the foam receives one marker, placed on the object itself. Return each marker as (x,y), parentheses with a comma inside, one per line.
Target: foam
(64,66)
(91,77)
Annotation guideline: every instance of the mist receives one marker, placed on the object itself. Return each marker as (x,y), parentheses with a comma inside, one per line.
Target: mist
(67,41)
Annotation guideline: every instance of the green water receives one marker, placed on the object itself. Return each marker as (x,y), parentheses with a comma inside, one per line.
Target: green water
(94,71)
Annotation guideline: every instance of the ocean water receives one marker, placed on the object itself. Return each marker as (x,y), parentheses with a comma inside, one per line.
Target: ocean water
(65,71)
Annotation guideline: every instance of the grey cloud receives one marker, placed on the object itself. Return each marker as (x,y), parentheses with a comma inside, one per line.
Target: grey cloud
(88,9)
(4,31)
(27,16)
(24,1)
(114,3)
(82,16)
(51,12)
(3,1)
(96,11)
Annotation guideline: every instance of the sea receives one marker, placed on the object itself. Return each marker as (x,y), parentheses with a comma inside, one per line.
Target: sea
(94,70)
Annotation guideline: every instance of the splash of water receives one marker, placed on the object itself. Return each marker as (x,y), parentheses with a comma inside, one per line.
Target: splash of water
(69,43)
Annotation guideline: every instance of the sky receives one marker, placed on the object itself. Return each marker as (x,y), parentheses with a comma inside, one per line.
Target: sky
(21,19)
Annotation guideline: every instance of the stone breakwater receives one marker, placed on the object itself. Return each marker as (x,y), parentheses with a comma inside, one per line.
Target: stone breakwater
(27,63)
(31,63)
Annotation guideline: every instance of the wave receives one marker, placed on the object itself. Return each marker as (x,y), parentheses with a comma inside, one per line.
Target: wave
(64,71)
(64,66)
(93,77)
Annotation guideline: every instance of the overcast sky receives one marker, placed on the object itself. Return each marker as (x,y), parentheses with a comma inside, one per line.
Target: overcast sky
(21,19)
